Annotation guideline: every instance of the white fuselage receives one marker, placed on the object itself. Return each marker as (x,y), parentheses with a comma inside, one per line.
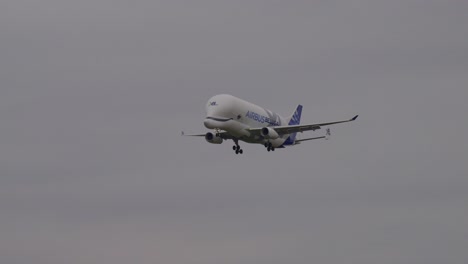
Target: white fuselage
(234,115)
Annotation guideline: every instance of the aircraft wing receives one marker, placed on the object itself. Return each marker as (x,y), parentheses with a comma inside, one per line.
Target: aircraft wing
(223,135)
(192,135)
(297,141)
(282,130)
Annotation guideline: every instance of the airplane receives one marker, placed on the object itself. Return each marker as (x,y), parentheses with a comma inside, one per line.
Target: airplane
(235,119)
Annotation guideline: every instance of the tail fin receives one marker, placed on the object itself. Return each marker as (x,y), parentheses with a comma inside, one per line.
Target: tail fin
(296,117)
(294,120)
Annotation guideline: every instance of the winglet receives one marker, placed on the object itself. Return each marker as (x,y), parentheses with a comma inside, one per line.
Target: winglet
(354,118)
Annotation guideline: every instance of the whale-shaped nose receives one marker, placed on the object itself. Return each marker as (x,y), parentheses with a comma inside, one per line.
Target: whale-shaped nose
(216,122)
(209,123)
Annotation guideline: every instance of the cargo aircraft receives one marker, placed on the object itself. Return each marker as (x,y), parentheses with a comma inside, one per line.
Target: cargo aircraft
(232,118)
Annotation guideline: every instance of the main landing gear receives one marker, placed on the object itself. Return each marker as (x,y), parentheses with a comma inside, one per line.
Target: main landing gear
(237,148)
(269,146)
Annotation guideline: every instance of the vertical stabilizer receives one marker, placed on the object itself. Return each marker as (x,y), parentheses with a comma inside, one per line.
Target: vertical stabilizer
(296,117)
(294,120)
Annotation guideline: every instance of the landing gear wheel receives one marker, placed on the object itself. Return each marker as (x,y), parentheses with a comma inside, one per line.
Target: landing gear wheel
(236,147)
(272,149)
(268,149)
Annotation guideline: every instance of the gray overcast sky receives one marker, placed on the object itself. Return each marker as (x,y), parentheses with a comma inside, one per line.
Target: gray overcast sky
(94,94)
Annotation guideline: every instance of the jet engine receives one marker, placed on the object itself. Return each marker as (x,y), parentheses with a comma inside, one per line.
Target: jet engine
(268,132)
(213,139)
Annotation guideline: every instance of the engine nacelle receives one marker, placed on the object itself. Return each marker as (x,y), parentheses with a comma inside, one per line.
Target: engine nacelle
(213,139)
(268,132)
